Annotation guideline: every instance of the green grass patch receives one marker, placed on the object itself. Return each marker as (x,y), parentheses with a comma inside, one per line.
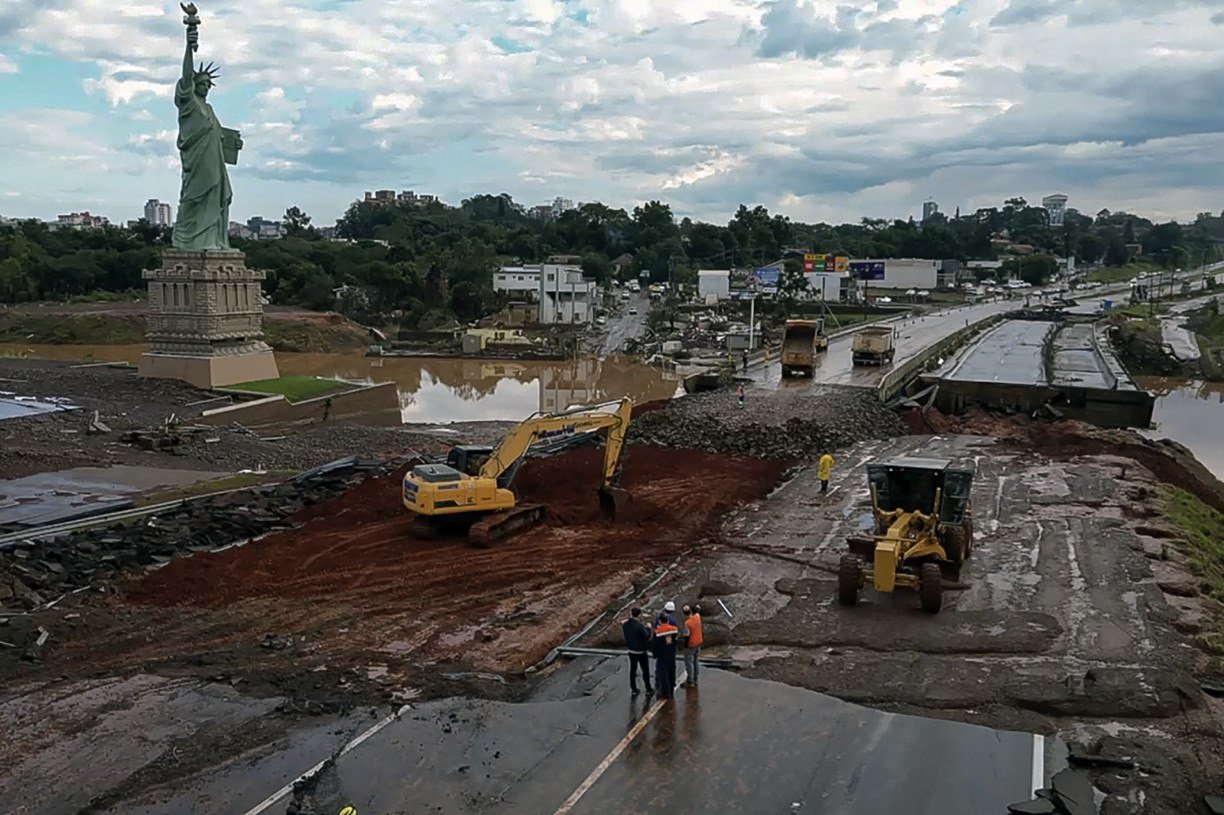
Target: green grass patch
(1208,325)
(296,388)
(1120,274)
(1204,531)
(1142,311)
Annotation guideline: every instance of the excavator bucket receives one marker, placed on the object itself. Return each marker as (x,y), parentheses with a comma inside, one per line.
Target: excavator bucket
(613,501)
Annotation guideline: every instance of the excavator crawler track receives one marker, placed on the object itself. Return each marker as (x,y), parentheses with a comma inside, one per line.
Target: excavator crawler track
(498,525)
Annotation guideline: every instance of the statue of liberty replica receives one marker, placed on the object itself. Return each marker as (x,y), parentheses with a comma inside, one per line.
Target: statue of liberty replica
(205,314)
(205,147)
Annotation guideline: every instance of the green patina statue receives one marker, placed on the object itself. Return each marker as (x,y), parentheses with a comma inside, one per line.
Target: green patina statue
(205,147)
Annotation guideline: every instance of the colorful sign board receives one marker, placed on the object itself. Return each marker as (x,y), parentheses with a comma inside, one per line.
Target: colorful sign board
(810,261)
(867,269)
(841,265)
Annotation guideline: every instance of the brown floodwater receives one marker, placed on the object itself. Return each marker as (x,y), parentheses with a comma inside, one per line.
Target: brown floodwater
(436,389)
(1191,413)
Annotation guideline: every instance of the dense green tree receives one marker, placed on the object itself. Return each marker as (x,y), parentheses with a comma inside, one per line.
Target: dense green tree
(297,223)
(429,264)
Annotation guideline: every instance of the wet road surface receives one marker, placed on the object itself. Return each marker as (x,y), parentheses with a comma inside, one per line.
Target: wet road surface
(734,746)
(836,367)
(625,326)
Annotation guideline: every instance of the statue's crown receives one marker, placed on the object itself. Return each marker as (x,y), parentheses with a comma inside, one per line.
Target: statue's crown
(209,72)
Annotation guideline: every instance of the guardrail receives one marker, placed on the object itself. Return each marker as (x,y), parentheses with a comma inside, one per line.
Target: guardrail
(908,370)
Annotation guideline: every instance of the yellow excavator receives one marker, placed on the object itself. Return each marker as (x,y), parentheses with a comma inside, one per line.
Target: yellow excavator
(475,486)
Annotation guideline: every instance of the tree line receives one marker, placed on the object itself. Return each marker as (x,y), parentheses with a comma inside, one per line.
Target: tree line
(424,265)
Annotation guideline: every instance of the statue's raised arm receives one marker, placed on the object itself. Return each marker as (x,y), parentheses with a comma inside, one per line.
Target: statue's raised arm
(191,19)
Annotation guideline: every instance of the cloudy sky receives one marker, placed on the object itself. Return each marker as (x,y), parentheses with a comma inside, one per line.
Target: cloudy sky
(818,110)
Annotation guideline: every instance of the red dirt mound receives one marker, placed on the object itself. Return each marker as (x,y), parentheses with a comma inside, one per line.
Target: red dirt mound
(363,542)
(356,558)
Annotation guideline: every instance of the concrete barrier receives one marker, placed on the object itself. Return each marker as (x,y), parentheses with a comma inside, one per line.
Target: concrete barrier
(909,370)
(374,405)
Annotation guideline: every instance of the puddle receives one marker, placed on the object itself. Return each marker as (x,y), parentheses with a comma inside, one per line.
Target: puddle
(1190,413)
(41,498)
(435,389)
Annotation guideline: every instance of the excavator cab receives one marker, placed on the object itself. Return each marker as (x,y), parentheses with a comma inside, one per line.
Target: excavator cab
(469,458)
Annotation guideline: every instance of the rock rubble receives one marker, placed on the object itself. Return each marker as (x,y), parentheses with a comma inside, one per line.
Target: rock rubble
(785,425)
(33,573)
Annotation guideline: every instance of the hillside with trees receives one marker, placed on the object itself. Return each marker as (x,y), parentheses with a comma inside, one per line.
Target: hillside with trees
(428,264)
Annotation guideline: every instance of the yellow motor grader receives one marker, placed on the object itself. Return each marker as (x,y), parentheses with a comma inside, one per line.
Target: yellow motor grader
(923,531)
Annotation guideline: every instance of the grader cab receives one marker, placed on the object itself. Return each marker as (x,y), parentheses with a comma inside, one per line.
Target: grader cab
(922,531)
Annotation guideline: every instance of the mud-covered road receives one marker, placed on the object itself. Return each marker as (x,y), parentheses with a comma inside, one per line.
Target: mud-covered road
(1060,626)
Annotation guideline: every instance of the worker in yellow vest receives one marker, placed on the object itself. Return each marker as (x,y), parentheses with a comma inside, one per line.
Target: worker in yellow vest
(824,471)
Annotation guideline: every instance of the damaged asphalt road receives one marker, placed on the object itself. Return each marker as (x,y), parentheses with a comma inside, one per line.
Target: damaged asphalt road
(1058,626)
(580,745)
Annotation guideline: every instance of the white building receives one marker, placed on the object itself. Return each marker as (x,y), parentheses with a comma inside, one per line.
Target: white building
(561,206)
(565,295)
(158,213)
(827,286)
(907,273)
(79,220)
(1056,208)
(929,208)
(713,285)
(518,281)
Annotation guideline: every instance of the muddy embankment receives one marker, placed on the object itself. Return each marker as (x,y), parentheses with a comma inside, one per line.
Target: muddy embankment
(1144,350)
(289,330)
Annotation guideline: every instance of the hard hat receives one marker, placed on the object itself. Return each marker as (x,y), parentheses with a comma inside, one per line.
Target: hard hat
(349,811)
(669,606)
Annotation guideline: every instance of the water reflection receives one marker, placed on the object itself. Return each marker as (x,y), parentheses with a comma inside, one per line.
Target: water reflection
(436,389)
(1191,413)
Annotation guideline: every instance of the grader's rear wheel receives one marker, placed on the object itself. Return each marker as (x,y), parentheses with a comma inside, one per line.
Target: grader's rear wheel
(849,579)
(930,588)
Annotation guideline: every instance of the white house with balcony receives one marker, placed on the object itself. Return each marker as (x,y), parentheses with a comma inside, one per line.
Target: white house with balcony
(520,282)
(565,295)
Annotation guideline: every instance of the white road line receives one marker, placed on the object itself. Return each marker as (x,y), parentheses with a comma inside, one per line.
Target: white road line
(352,745)
(603,766)
(1038,779)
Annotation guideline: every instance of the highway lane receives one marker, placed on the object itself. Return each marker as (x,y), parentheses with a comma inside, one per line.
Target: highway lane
(914,335)
(582,746)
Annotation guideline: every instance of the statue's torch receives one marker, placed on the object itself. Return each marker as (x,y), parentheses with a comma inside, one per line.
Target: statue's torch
(191,19)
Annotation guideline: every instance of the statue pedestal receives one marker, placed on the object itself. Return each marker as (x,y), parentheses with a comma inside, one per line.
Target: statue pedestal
(205,320)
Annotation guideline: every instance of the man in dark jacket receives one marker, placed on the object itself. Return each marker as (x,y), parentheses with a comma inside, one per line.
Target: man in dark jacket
(637,642)
(664,647)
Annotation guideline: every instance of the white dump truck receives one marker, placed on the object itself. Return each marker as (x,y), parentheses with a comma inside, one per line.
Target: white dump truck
(874,345)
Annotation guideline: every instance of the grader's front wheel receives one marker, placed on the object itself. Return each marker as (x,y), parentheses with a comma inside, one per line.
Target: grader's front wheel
(849,579)
(930,588)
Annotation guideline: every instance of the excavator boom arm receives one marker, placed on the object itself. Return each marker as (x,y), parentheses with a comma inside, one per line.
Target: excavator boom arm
(580,420)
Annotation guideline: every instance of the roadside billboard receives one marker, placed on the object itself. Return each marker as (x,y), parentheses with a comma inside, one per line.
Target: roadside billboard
(810,261)
(867,269)
(841,264)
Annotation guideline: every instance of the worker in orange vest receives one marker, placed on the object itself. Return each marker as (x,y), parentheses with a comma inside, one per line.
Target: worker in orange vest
(692,644)
(664,647)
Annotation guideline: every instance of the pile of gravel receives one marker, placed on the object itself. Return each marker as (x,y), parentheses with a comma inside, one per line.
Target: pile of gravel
(772,424)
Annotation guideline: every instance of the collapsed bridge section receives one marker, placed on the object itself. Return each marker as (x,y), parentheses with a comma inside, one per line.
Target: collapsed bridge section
(1065,368)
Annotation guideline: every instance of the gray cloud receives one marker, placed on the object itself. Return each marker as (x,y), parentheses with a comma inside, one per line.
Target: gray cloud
(792,29)
(1023,12)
